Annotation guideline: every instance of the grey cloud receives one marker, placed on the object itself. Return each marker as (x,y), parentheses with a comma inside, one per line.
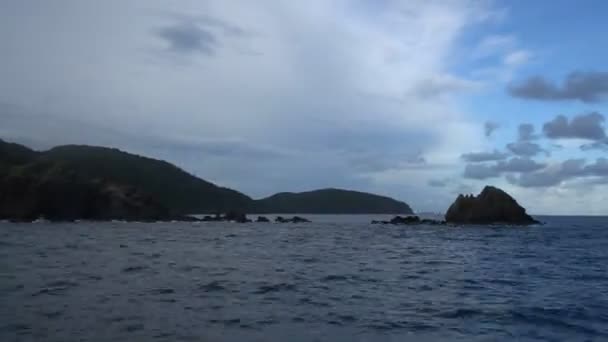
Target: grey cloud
(480,171)
(599,168)
(437,183)
(583,86)
(221,25)
(489,128)
(585,126)
(598,145)
(567,170)
(526,132)
(550,176)
(202,34)
(463,189)
(513,165)
(477,157)
(188,37)
(221,148)
(525,148)
(517,164)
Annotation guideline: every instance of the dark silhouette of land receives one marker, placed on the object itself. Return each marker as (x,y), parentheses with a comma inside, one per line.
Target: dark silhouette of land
(98,183)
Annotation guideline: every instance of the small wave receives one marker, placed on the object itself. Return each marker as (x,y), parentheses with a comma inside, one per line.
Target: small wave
(133,327)
(6,244)
(51,314)
(312,302)
(460,313)
(591,277)
(55,288)
(226,322)
(385,326)
(132,269)
(275,288)
(17,327)
(344,318)
(310,260)
(266,322)
(298,319)
(212,287)
(556,318)
(162,291)
(507,282)
(334,277)
(189,268)
(87,276)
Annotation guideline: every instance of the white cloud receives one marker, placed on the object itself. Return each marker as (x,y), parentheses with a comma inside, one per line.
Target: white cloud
(517,58)
(494,44)
(320,81)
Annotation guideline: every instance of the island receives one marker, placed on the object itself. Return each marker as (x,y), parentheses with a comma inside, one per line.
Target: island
(491,206)
(77,182)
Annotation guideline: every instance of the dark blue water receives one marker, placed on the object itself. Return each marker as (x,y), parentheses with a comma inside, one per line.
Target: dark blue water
(339,279)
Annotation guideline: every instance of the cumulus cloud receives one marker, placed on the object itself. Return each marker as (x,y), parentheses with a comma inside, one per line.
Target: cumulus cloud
(550,176)
(526,132)
(513,165)
(478,157)
(328,101)
(489,127)
(525,148)
(558,173)
(598,145)
(585,126)
(517,164)
(591,86)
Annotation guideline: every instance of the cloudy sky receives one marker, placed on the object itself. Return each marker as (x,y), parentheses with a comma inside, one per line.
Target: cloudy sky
(416,99)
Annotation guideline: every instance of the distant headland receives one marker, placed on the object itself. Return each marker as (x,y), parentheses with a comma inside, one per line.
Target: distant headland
(78,182)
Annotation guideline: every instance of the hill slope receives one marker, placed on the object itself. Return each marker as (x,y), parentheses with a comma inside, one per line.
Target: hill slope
(183,193)
(15,154)
(330,201)
(172,186)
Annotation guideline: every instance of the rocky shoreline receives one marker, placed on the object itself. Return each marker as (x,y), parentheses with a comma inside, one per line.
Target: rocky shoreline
(57,201)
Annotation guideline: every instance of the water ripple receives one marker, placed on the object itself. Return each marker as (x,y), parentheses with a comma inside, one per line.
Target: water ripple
(335,281)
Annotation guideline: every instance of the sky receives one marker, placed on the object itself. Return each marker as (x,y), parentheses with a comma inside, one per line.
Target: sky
(419,100)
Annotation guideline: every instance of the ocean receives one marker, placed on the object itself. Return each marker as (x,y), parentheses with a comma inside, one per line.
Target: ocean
(336,279)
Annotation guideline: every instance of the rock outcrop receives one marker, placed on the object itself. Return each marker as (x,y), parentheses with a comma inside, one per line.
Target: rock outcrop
(409,220)
(56,193)
(295,219)
(492,205)
(263,219)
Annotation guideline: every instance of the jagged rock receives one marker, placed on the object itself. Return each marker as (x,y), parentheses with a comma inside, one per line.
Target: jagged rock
(405,220)
(262,219)
(492,205)
(295,219)
(409,220)
(298,219)
(55,193)
(236,216)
